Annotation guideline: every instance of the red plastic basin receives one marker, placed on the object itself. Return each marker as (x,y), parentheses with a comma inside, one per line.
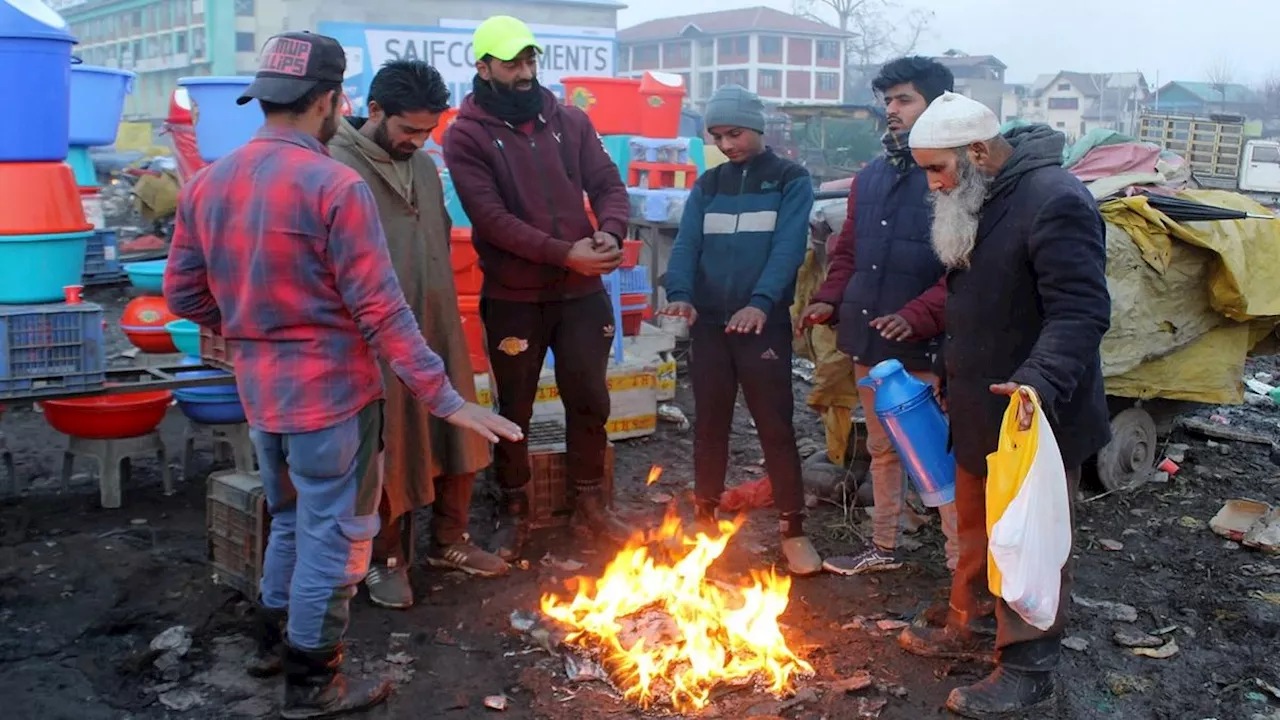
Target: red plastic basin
(108,417)
(159,343)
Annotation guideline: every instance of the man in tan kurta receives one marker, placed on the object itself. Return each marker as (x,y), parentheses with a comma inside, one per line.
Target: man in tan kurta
(426,459)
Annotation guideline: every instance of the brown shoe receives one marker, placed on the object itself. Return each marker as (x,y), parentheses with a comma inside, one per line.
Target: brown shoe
(947,643)
(802,558)
(468,558)
(593,518)
(388,585)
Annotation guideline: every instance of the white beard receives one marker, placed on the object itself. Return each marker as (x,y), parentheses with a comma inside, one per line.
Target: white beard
(956,215)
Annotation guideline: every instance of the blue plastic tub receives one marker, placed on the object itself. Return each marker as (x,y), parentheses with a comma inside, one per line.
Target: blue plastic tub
(97,104)
(35,65)
(221,125)
(186,337)
(82,166)
(35,268)
(227,391)
(47,349)
(208,410)
(147,276)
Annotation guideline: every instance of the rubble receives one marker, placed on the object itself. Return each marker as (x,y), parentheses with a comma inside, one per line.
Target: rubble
(1108,610)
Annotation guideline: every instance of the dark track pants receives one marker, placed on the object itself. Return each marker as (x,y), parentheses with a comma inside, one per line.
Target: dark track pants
(761,365)
(580,333)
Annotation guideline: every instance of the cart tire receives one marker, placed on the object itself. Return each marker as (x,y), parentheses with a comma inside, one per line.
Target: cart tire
(1129,459)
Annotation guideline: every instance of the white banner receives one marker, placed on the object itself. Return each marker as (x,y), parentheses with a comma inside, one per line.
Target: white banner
(450,53)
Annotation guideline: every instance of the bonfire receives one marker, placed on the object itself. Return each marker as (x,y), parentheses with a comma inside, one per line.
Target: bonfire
(667,635)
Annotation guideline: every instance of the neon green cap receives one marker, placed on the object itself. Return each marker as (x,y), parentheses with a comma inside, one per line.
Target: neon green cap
(503,37)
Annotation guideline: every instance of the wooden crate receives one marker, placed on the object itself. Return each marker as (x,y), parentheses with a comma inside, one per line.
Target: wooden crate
(213,350)
(238,524)
(551,495)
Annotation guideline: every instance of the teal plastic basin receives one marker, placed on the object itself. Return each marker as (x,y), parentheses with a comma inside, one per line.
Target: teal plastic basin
(35,268)
(186,336)
(147,276)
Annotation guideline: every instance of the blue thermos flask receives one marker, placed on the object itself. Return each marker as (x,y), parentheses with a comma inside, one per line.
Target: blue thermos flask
(914,421)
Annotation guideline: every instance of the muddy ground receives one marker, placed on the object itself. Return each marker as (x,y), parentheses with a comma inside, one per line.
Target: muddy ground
(83,591)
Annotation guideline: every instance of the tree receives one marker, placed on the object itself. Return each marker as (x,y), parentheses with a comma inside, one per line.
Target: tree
(1271,95)
(875,35)
(1220,76)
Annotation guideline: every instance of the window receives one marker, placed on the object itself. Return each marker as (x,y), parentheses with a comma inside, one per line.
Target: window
(246,42)
(706,82)
(676,55)
(644,57)
(732,77)
(180,12)
(769,79)
(706,52)
(244,8)
(770,46)
(136,22)
(1064,103)
(735,47)
(180,43)
(1265,154)
(828,50)
(1061,124)
(828,82)
(1065,87)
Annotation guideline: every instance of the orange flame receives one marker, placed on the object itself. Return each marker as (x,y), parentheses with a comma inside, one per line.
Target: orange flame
(664,632)
(655,472)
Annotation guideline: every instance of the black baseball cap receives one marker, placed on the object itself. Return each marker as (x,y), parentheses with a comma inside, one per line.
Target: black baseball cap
(292,64)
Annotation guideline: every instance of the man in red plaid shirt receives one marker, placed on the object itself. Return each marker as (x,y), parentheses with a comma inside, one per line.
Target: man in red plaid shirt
(279,248)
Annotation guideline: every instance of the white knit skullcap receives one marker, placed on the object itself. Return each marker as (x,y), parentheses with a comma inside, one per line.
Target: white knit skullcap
(953,121)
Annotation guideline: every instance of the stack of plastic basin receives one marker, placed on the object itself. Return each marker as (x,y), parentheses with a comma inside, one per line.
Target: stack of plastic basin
(613,104)
(145,322)
(221,124)
(43,231)
(663,97)
(96,107)
(209,404)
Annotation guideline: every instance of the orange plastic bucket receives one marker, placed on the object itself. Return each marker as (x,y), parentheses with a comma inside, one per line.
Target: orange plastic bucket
(466,263)
(663,96)
(613,104)
(446,119)
(473,331)
(40,198)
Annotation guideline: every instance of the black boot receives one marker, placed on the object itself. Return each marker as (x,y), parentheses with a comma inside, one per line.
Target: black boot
(1003,692)
(592,517)
(1022,681)
(947,643)
(513,526)
(315,686)
(268,632)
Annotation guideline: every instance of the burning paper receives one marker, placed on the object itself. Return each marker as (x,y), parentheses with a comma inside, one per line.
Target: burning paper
(666,634)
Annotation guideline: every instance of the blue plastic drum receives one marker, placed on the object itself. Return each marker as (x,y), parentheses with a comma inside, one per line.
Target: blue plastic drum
(221,124)
(97,103)
(35,67)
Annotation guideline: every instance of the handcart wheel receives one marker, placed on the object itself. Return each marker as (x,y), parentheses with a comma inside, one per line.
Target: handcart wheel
(1129,459)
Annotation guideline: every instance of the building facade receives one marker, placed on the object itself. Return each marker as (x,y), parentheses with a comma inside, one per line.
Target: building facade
(1076,103)
(980,77)
(163,40)
(784,58)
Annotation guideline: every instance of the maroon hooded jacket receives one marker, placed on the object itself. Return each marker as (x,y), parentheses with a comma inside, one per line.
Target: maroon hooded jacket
(523,194)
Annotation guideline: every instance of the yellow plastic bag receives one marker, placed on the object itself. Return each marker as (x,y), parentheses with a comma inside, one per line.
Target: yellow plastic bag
(1006,468)
(1028,516)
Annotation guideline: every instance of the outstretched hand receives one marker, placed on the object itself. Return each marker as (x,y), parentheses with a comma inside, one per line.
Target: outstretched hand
(485,423)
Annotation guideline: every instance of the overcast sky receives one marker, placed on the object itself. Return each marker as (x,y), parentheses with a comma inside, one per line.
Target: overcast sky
(1179,39)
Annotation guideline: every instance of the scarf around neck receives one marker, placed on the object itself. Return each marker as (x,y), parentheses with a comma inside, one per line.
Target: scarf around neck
(897,149)
(515,107)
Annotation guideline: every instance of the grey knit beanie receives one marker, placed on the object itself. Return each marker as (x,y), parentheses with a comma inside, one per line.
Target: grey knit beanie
(735,106)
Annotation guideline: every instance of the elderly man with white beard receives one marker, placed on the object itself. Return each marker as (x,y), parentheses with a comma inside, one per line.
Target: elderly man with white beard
(1026,307)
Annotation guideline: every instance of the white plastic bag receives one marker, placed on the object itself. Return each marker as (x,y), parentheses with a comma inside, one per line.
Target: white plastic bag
(1031,540)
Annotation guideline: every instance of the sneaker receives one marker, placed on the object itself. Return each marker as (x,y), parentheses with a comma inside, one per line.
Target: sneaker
(947,643)
(802,558)
(873,559)
(389,586)
(468,558)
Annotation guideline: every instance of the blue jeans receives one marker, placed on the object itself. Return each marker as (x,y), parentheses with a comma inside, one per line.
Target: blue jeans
(322,492)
